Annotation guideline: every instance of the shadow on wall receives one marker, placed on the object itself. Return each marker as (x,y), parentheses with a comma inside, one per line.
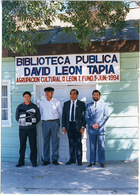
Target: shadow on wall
(122,125)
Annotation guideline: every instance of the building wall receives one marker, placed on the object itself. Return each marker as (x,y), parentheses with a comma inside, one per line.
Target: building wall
(122,126)
(10,135)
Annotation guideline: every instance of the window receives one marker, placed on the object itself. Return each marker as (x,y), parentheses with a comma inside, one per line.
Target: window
(6,104)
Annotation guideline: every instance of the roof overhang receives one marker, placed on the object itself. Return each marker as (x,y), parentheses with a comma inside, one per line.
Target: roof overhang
(74,48)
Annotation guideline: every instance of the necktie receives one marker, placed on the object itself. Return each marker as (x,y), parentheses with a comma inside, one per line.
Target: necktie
(72,113)
(95,105)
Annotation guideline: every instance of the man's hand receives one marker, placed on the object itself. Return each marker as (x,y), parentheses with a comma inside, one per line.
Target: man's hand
(64,130)
(95,126)
(82,130)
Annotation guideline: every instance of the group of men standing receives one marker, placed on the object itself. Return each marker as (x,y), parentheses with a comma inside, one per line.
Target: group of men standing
(73,118)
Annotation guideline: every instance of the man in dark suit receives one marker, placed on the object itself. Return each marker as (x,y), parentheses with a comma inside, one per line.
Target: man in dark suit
(73,123)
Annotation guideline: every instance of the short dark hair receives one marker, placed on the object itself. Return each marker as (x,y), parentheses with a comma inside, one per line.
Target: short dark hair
(96,91)
(27,92)
(77,92)
(49,89)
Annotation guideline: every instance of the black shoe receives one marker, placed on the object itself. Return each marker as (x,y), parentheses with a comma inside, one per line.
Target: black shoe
(34,165)
(80,163)
(90,165)
(70,162)
(19,165)
(45,163)
(55,162)
(103,165)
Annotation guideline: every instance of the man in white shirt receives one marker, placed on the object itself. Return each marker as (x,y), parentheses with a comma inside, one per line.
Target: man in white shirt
(51,112)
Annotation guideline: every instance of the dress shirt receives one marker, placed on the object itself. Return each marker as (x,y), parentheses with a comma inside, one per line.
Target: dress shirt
(96,104)
(50,110)
(71,109)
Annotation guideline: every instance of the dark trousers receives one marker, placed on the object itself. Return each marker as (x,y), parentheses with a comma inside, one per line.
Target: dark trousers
(75,144)
(31,133)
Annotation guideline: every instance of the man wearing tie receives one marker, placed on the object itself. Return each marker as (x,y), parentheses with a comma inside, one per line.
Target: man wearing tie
(96,116)
(73,123)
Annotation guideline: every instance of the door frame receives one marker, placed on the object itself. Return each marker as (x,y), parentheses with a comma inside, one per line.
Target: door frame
(85,139)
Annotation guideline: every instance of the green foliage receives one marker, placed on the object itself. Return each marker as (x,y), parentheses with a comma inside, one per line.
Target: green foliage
(137,25)
(90,18)
(87,18)
(19,20)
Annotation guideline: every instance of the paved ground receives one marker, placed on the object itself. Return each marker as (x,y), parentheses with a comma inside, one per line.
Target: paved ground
(117,178)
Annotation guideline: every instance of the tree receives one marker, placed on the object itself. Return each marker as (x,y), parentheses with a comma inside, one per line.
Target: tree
(92,17)
(19,22)
(87,18)
(136,23)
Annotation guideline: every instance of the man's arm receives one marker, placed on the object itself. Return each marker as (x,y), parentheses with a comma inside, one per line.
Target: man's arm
(64,119)
(82,130)
(41,110)
(60,113)
(83,115)
(38,116)
(87,117)
(17,114)
(105,116)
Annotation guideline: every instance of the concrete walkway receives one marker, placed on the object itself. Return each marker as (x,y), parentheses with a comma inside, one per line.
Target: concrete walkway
(118,177)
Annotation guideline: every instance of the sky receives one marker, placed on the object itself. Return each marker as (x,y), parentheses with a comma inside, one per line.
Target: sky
(132,4)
